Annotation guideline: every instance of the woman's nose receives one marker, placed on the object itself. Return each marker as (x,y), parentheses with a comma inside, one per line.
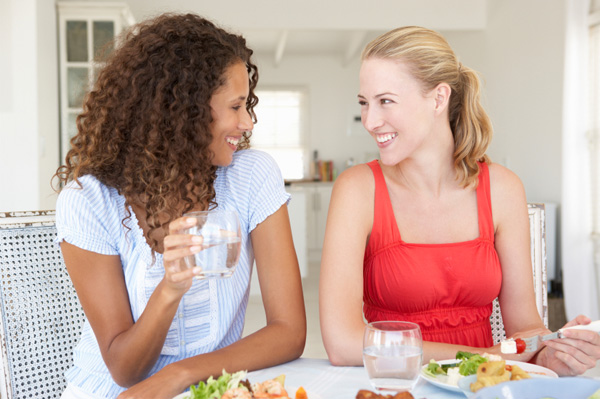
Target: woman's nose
(246,123)
(371,119)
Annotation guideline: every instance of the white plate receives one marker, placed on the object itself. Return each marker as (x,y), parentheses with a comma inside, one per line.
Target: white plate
(440,381)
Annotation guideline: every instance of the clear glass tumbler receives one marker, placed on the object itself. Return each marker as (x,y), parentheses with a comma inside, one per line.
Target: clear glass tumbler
(221,245)
(392,355)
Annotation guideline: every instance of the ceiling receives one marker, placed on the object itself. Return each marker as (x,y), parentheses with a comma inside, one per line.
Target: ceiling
(341,28)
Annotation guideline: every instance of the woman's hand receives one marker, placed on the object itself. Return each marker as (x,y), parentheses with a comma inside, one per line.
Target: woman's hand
(162,385)
(574,354)
(177,245)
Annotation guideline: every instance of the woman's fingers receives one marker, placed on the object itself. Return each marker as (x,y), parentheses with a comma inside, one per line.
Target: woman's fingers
(581,319)
(180,224)
(181,240)
(178,253)
(177,276)
(580,350)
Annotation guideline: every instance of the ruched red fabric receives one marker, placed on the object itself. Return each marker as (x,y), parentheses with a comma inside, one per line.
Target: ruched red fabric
(447,289)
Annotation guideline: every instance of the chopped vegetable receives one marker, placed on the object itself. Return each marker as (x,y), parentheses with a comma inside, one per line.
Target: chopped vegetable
(301,394)
(434,369)
(470,362)
(214,389)
(281,379)
(521,345)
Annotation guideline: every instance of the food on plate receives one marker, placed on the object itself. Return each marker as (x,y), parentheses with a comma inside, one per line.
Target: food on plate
(301,394)
(513,346)
(366,394)
(466,364)
(517,373)
(495,372)
(489,374)
(236,386)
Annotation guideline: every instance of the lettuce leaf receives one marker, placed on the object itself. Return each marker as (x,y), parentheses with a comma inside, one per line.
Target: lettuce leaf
(469,364)
(214,389)
(434,369)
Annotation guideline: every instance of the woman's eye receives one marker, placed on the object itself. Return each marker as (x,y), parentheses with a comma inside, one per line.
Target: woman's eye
(362,102)
(237,107)
(385,101)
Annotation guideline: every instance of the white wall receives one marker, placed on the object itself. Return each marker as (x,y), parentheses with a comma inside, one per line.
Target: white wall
(28,104)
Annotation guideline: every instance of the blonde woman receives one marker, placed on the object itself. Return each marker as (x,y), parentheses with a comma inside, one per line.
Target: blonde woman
(433,231)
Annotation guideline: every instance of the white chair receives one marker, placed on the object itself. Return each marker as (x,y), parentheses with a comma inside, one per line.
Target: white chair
(41,315)
(537,229)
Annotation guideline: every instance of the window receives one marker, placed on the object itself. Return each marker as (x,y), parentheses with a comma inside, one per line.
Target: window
(280,129)
(85,33)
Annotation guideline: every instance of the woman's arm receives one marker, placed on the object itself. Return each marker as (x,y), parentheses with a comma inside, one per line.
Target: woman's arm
(129,349)
(281,340)
(349,222)
(511,239)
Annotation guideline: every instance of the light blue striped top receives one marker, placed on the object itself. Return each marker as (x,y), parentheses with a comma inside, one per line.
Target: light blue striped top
(211,313)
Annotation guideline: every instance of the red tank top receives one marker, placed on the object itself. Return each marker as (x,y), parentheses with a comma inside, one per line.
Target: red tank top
(447,289)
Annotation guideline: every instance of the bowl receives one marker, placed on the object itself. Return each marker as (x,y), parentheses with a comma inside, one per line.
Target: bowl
(465,384)
(540,388)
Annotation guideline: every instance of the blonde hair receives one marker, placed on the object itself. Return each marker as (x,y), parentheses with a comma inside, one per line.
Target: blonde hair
(432,61)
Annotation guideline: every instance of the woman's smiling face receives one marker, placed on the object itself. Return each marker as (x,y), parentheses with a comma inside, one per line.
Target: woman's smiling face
(394,108)
(230,117)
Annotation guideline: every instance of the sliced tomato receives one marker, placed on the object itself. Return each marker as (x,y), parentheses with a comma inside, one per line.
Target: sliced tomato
(521,345)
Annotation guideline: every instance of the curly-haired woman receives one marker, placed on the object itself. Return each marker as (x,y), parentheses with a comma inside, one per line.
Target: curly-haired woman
(437,230)
(165,131)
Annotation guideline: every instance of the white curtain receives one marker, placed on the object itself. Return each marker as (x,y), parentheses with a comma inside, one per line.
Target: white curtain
(580,161)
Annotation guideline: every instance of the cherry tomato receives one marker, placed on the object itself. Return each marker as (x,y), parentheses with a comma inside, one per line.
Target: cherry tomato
(520,345)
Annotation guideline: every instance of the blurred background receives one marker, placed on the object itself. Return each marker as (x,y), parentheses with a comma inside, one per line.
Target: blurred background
(538,60)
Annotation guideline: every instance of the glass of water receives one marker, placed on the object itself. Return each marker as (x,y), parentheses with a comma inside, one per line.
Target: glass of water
(392,355)
(221,243)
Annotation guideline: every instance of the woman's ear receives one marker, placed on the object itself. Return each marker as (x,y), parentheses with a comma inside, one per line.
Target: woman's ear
(442,96)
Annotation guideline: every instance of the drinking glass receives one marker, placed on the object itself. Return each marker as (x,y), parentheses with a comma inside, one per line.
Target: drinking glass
(221,245)
(392,355)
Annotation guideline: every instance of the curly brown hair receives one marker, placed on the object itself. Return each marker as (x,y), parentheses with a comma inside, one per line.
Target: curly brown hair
(144,129)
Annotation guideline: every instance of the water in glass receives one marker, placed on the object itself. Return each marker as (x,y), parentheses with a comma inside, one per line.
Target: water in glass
(392,355)
(221,244)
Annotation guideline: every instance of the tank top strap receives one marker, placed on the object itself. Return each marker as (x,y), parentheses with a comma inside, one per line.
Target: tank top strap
(385,229)
(484,204)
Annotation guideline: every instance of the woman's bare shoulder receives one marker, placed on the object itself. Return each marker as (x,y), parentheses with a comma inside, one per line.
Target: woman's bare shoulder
(503,179)
(506,191)
(355,178)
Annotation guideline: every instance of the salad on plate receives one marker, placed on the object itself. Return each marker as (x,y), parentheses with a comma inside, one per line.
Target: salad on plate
(237,386)
(448,373)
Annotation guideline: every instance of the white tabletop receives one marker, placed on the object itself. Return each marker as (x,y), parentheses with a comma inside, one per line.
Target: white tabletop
(321,380)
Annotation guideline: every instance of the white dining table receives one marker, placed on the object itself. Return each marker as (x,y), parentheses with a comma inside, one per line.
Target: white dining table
(321,380)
